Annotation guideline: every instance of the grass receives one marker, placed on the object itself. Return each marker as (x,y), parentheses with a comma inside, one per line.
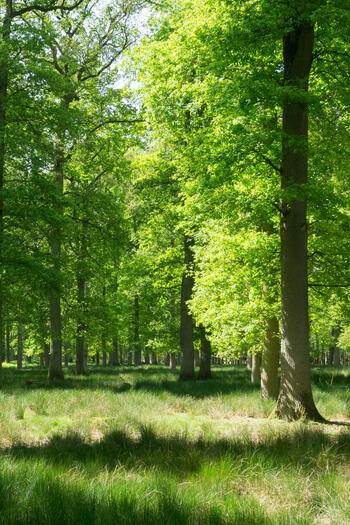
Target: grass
(82,452)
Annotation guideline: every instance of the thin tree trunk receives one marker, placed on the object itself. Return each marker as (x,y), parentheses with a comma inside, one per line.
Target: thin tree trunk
(20,346)
(146,357)
(137,348)
(205,357)
(270,359)
(256,364)
(80,335)
(66,355)
(129,358)
(186,320)
(115,353)
(167,359)
(196,358)
(8,352)
(173,361)
(104,353)
(97,358)
(46,354)
(295,398)
(55,366)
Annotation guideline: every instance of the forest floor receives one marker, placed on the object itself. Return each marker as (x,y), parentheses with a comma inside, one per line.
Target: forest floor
(164,452)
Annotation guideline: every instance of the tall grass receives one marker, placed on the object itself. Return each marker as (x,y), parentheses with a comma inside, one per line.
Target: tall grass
(80,451)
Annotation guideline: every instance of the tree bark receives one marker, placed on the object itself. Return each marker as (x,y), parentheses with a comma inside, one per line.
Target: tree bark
(20,346)
(295,398)
(4,75)
(104,353)
(46,354)
(154,358)
(115,353)
(205,357)
(55,366)
(270,359)
(186,320)
(173,361)
(256,364)
(146,357)
(80,336)
(8,350)
(137,347)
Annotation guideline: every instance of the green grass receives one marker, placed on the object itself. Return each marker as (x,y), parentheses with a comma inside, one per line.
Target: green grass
(164,452)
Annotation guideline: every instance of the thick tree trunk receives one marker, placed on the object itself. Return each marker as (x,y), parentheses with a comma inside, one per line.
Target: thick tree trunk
(154,358)
(137,347)
(205,357)
(336,356)
(129,358)
(173,361)
(4,72)
(256,365)
(295,398)
(186,320)
(55,366)
(80,336)
(167,359)
(20,346)
(270,359)
(146,354)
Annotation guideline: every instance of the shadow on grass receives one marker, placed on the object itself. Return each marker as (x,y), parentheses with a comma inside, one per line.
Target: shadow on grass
(225,381)
(302,447)
(38,492)
(52,502)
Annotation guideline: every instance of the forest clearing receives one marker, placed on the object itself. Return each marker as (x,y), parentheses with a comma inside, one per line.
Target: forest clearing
(174,262)
(80,452)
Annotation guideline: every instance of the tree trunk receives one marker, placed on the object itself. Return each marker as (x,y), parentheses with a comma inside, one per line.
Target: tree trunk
(146,358)
(20,346)
(205,357)
(154,358)
(249,361)
(97,358)
(270,359)
(55,366)
(295,399)
(186,320)
(104,353)
(115,354)
(46,354)
(80,335)
(129,358)
(173,361)
(256,364)
(4,72)
(66,355)
(167,359)
(196,358)
(8,352)
(336,356)
(137,348)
